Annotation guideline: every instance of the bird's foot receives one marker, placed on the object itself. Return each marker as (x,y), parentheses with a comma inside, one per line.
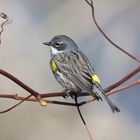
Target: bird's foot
(68,94)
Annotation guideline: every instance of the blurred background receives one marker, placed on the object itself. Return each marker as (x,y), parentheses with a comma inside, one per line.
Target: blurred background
(23,55)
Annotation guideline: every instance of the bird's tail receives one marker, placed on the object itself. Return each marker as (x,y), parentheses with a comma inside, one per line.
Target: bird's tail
(97,89)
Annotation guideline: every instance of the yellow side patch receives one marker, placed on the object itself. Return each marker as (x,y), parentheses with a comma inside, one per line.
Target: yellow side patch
(53,66)
(96,79)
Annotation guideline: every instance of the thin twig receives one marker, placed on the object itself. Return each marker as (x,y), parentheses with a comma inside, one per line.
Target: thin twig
(4,16)
(14,106)
(82,118)
(104,34)
(16,97)
(129,85)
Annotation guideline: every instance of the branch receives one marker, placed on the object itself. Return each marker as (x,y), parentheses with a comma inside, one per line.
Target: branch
(16,97)
(24,86)
(14,106)
(4,16)
(82,118)
(132,84)
(104,34)
(18,82)
(60,94)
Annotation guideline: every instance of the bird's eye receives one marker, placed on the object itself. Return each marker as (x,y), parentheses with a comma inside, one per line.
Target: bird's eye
(58,44)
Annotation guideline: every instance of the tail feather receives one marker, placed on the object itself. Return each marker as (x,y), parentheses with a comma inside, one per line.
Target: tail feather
(99,91)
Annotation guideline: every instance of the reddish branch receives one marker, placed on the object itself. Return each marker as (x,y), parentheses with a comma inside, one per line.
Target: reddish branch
(16,97)
(104,34)
(109,90)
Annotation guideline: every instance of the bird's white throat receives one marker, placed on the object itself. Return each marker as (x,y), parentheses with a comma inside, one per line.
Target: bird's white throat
(54,50)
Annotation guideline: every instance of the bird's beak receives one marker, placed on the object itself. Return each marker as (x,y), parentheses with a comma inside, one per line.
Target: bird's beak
(48,43)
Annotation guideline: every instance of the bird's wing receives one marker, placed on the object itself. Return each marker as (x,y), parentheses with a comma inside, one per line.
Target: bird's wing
(76,67)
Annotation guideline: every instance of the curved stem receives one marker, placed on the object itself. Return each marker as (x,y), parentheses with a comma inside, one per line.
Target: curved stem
(82,118)
(14,106)
(4,16)
(104,34)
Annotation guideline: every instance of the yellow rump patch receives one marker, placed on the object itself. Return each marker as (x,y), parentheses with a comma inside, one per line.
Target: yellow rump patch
(96,79)
(53,66)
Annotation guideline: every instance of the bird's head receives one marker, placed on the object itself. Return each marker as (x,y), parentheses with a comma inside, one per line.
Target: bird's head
(61,44)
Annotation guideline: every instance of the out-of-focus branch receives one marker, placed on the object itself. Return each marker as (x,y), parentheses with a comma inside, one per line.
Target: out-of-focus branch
(132,84)
(4,16)
(104,34)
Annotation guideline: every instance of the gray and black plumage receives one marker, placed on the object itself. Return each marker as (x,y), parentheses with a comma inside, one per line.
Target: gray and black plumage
(73,70)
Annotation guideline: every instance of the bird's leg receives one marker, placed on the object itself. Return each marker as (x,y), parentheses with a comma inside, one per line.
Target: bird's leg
(67,93)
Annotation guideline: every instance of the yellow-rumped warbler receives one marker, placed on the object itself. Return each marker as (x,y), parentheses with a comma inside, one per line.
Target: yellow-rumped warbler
(73,70)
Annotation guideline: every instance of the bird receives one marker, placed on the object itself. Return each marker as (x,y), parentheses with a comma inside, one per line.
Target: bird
(73,70)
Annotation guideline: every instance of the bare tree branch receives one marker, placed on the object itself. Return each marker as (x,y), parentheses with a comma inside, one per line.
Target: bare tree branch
(57,94)
(104,34)
(16,97)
